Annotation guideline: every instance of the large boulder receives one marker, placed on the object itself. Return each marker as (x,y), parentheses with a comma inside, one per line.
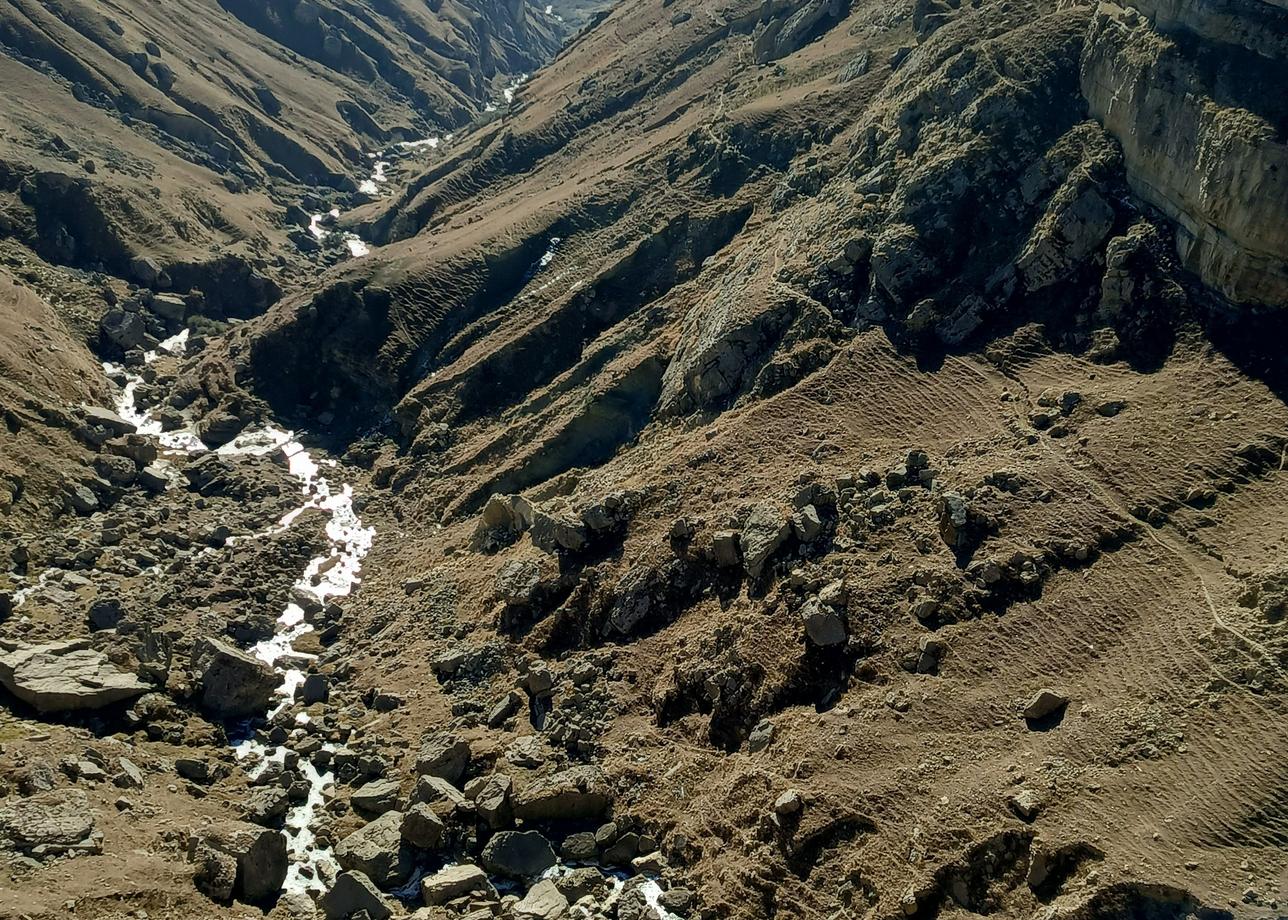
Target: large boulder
(766,529)
(518,854)
(377,851)
(544,901)
(125,331)
(351,893)
(219,427)
(492,801)
(450,883)
(552,533)
(823,625)
(377,797)
(258,853)
(108,421)
(50,824)
(422,827)
(65,676)
(445,755)
(234,685)
(576,794)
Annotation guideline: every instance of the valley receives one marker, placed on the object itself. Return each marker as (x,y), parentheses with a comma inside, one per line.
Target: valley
(669,460)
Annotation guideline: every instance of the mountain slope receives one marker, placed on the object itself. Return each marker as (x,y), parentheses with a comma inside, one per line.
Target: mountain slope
(717,264)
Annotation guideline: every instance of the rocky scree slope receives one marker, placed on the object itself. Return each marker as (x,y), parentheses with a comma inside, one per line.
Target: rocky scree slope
(880,398)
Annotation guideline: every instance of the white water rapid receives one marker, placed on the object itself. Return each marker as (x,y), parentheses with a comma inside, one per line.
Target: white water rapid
(334,573)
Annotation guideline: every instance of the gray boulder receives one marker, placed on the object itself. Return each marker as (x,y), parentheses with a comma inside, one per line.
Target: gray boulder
(450,883)
(377,797)
(352,893)
(169,306)
(551,533)
(518,854)
(1044,703)
(445,755)
(422,827)
(51,824)
(579,793)
(108,420)
(233,684)
(762,535)
(145,269)
(544,901)
(492,802)
(65,676)
(377,851)
(259,855)
(823,626)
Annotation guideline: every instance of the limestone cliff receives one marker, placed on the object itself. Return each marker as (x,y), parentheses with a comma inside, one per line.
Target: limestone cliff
(1195,94)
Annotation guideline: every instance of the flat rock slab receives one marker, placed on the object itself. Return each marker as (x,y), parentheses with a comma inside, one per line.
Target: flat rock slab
(64,676)
(51,824)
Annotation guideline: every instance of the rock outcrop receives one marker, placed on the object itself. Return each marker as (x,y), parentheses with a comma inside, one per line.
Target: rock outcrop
(1186,88)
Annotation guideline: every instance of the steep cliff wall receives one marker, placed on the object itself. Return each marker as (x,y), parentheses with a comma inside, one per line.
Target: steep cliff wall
(1197,94)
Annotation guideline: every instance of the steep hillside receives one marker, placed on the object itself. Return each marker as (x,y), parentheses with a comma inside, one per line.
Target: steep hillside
(171,131)
(184,148)
(823,460)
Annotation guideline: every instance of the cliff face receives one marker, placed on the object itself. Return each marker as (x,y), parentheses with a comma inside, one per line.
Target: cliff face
(1195,94)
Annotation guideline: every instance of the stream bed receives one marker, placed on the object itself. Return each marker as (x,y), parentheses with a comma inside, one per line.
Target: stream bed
(333,573)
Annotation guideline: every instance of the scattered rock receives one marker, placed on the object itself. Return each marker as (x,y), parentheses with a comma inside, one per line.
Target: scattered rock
(492,801)
(724,549)
(129,777)
(108,420)
(219,427)
(153,478)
